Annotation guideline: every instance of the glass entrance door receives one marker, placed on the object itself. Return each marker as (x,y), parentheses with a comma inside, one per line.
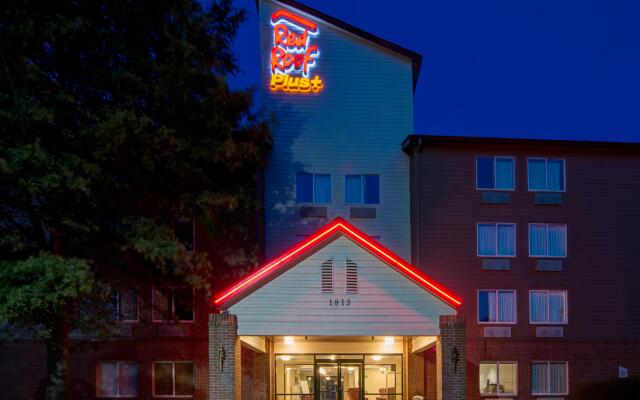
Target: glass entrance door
(340,380)
(351,380)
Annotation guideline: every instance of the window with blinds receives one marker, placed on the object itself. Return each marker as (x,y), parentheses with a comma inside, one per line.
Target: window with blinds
(326,272)
(351,277)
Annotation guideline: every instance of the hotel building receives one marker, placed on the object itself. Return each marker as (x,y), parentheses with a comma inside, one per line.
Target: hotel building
(397,266)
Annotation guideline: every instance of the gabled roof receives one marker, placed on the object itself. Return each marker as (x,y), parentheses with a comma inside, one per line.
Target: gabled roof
(416,59)
(323,236)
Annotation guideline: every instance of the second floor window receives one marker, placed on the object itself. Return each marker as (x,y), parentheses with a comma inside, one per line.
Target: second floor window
(173,303)
(362,189)
(546,175)
(496,240)
(495,173)
(547,240)
(497,306)
(125,306)
(117,379)
(313,188)
(548,307)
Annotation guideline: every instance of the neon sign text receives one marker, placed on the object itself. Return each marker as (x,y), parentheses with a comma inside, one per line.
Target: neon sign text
(292,58)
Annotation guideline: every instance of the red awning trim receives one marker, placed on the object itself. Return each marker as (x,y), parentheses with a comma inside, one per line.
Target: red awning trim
(338,225)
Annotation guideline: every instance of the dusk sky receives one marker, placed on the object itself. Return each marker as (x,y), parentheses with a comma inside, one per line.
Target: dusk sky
(503,68)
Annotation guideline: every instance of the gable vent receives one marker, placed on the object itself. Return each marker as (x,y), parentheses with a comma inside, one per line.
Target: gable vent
(352,277)
(327,276)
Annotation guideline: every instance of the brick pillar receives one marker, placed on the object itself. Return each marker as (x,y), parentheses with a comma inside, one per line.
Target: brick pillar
(225,383)
(451,345)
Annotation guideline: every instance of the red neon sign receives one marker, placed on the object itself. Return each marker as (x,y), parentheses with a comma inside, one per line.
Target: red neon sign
(339,225)
(292,57)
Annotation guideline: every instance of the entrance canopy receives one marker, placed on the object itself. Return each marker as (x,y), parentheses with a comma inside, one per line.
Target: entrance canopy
(338,281)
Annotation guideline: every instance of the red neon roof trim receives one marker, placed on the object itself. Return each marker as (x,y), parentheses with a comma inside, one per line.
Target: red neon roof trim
(288,15)
(342,226)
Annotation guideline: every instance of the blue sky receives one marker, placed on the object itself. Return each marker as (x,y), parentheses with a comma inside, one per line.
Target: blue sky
(560,69)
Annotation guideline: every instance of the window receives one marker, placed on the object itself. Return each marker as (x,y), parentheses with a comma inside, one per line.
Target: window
(496,240)
(295,377)
(117,379)
(549,378)
(497,306)
(547,240)
(383,377)
(173,303)
(313,188)
(546,175)
(125,306)
(495,173)
(172,379)
(498,378)
(548,307)
(185,233)
(362,189)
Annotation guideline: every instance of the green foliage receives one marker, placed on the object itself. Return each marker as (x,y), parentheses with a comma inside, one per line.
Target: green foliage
(115,121)
(628,388)
(42,287)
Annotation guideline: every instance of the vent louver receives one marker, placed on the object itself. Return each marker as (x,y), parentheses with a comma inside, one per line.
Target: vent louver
(327,276)
(352,277)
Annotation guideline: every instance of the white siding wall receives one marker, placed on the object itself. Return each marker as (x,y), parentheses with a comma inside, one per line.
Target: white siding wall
(355,125)
(387,303)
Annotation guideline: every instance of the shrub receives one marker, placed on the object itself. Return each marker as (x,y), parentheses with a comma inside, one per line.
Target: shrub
(617,389)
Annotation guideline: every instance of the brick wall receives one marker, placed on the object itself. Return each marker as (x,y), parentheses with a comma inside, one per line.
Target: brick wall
(415,372)
(587,361)
(255,374)
(430,374)
(23,365)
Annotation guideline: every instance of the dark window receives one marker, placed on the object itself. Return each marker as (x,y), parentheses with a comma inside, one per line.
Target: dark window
(371,189)
(125,305)
(546,174)
(184,231)
(495,173)
(483,306)
(362,189)
(184,379)
(163,379)
(484,172)
(304,188)
(173,379)
(183,304)
(313,188)
(170,303)
(117,379)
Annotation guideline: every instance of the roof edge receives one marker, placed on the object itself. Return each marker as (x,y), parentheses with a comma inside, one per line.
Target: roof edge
(422,140)
(271,269)
(416,58)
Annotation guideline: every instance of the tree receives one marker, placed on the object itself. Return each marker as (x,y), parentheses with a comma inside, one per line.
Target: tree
(115,121)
